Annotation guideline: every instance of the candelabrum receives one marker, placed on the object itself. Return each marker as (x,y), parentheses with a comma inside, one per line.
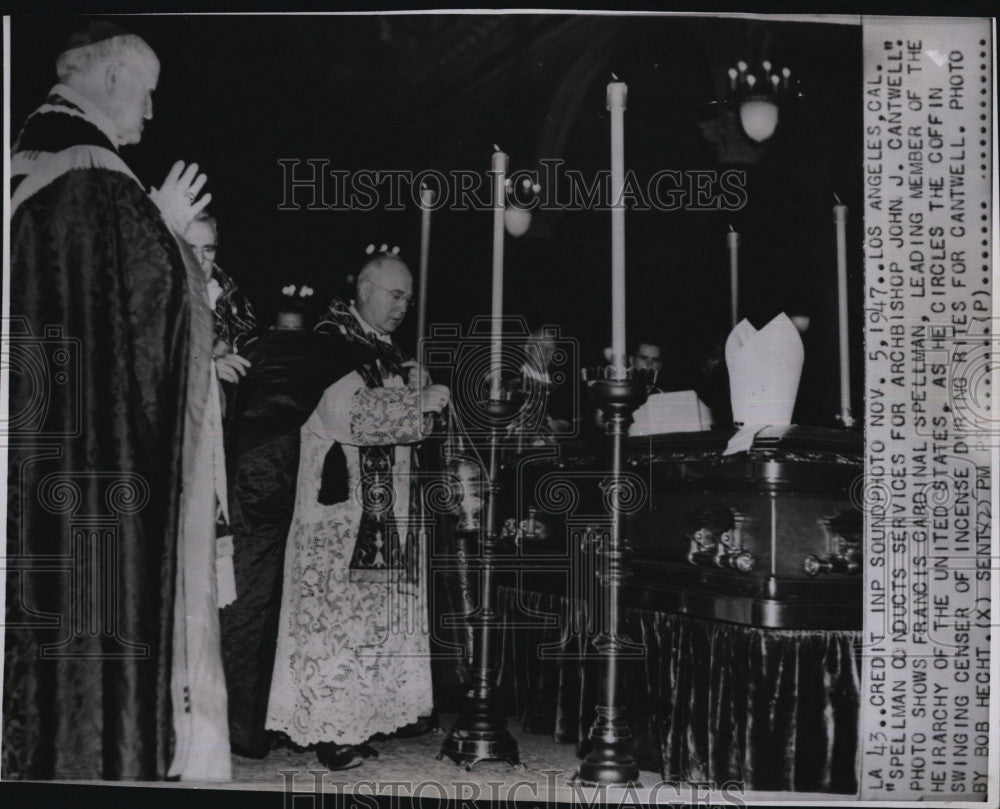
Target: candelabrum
(610,761)
(480,733)
(757,94)
(522,198)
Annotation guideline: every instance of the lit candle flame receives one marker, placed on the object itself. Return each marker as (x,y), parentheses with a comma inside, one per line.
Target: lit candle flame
(614,77)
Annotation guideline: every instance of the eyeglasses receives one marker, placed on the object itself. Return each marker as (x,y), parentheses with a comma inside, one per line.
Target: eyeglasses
(397,295)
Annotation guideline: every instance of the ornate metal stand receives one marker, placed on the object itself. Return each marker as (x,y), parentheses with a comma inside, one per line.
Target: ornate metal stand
(610,762)
(480,732)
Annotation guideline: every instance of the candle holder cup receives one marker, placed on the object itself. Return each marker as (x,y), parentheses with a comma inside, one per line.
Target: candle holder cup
(610,761)
(603,386)
(480,733)
(845,420)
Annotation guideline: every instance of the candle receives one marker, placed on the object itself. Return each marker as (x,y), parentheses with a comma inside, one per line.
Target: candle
(840,220)
(426,201)
(733,240)
(785,73)
(499,171)
(617,94)
(732,78)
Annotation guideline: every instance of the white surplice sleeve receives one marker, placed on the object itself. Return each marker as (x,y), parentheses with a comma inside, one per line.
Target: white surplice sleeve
(354,414)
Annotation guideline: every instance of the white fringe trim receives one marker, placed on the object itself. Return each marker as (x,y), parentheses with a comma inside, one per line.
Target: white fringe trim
(44,168)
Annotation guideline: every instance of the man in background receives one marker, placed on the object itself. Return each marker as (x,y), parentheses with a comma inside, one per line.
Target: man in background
(235,321)
(648,358)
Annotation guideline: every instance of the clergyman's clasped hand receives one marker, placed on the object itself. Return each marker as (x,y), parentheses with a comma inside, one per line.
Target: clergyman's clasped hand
(434,398)
(229,365)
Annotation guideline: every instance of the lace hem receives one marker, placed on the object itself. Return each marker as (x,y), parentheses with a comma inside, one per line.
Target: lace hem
(350,735)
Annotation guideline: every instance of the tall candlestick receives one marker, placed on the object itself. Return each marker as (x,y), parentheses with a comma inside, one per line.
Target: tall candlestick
(733,240)
(617,93)
(840,219)
(499,172)
(426,201)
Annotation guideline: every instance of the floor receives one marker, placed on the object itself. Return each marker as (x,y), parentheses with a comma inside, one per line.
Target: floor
(411,767)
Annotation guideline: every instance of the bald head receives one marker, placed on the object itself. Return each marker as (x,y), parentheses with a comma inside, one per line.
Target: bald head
(118,75)
(385,292)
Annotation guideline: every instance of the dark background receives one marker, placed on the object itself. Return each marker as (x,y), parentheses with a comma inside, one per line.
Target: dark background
(237,94)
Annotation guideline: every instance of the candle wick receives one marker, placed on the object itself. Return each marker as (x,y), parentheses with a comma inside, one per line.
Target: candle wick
(614,76)
(731,229)
(837,198)
(496,148)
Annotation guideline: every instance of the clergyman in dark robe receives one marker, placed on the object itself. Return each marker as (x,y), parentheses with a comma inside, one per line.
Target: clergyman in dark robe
(110,340)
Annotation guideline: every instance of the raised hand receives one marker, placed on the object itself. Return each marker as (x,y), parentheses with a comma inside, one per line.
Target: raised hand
(177,197)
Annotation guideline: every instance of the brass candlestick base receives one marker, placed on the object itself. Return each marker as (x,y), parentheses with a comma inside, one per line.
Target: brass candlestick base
(610,761)
(480,733)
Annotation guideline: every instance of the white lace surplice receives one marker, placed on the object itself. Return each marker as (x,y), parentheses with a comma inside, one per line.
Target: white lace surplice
(353,657)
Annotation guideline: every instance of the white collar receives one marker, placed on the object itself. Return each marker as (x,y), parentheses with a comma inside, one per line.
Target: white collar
(90,111)
(368,329)
(214,290)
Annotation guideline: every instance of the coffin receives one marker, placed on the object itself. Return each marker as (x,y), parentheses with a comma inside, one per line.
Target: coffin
(770,537)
